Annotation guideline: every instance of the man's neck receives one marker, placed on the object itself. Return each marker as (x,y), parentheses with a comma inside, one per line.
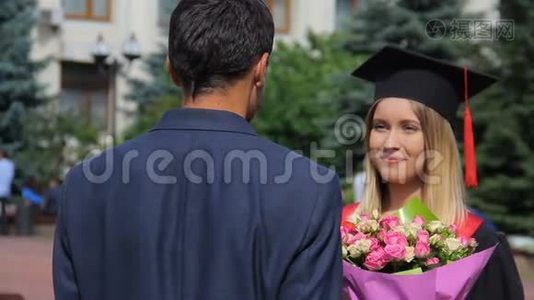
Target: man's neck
(215,105)
(231,101)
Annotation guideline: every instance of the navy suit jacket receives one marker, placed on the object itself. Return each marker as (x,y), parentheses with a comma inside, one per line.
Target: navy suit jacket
(200,207)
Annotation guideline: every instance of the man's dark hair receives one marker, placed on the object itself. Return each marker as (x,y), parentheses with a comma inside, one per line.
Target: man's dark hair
(213,42)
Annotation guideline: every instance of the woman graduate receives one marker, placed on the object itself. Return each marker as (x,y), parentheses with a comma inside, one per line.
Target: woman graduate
(412,151)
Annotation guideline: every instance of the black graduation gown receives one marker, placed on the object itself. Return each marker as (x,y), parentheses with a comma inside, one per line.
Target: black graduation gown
(500,278)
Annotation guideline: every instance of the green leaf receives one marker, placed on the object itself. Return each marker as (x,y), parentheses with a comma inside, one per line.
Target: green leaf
(410,272)
(415,207)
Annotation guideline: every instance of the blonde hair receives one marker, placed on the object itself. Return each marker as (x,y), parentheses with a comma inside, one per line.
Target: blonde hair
(446,196)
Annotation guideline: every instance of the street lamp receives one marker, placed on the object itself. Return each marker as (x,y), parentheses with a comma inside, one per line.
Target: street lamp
(111,66)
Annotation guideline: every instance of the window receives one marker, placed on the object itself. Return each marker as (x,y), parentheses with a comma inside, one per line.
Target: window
(344,11)
(281,11)
(99,10)
(84,92)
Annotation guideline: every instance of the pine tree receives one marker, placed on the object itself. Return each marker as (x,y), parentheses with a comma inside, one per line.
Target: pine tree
(409,24)
(504,120)
(147,92)
(19,89)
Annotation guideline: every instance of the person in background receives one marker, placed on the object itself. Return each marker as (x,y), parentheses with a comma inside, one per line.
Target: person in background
(7,172)
(51,197)
(359,186)
(29,193)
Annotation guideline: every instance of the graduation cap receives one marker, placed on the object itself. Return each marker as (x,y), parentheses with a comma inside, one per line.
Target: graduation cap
(435,83)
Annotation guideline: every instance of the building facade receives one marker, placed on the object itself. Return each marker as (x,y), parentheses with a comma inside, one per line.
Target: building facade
(69,29)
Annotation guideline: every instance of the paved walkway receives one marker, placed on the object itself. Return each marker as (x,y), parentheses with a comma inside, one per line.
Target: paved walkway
(26,264)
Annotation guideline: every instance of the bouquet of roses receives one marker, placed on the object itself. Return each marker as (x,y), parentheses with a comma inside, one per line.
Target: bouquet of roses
(377,250)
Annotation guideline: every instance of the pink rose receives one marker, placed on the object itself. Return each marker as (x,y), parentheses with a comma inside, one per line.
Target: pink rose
(382,234)
(395,238)
(376,260)
(464,241)
(423,236)
(432,261)
(418,220)
(395,252)
(453,229)
(375,244)
(344,232)
(389,222)
(348,226)
(352,238)
(422,250)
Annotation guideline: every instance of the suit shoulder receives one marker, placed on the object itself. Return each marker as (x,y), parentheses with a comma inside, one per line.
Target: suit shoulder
(303,166)
(99,162)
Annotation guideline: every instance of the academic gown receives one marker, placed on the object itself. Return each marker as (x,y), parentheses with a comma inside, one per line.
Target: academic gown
(500,278)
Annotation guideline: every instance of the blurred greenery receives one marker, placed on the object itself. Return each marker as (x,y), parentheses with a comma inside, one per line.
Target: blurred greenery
(152,113)
(309,88)
(19,89)
(53,142)
(504,119)
(145,92)
(404,23)
(299,107)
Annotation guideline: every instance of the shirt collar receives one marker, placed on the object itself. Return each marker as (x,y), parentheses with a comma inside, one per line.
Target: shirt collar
(204,119)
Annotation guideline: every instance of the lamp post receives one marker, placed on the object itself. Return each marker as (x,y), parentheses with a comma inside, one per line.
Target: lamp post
(111,66)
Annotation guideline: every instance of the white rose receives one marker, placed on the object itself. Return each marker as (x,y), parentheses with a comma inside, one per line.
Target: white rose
(411,230)
(375,226)
(435,226)
(344,251)
(363,245)
(353,251)
(435,239)
(453,244)
(410,254)
(368,226)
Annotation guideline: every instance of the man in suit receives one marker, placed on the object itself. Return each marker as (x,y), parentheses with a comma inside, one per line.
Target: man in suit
(201,207)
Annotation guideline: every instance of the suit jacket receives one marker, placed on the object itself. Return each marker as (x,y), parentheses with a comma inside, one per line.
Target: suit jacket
(200,207)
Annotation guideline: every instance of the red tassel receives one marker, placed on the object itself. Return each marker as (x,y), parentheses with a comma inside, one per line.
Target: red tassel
(471,179)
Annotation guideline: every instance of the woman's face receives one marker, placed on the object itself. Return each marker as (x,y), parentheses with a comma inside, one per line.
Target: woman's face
(396,141)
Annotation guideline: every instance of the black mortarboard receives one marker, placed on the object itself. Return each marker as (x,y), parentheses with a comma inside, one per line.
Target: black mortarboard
(435,83)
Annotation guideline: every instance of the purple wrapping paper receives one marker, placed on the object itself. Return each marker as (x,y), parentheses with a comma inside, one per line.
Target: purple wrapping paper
(451,281)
